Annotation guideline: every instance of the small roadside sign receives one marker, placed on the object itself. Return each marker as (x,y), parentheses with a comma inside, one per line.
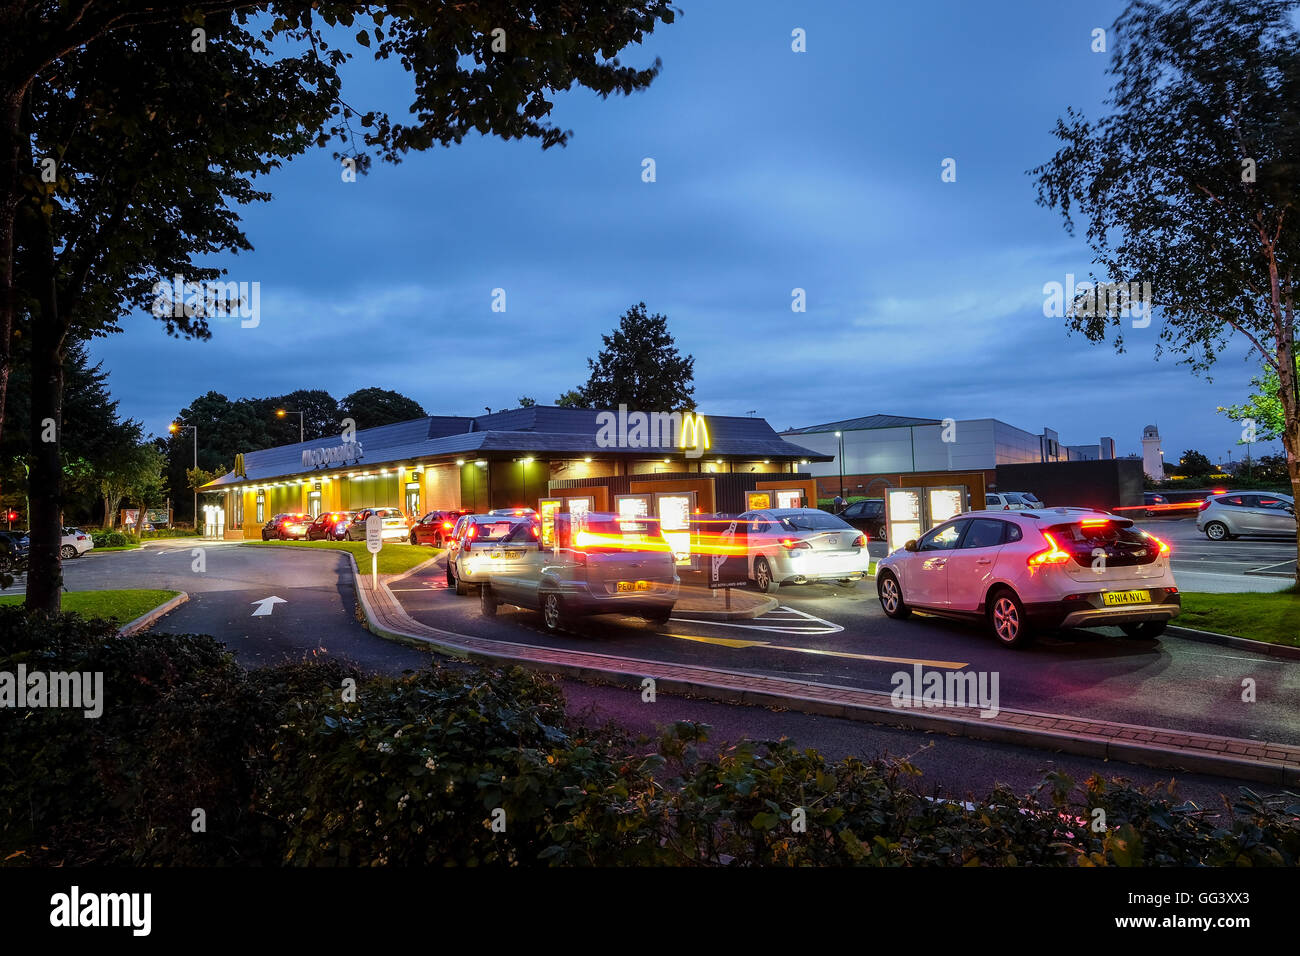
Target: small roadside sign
(374,543)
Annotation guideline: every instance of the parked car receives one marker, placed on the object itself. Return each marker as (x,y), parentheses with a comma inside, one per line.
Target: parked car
(1011,501)
(867,515)
(435,527)
(1223,517)
(800,546)
(1023,571)
(15,550)
(484,545)
(393,522)
(329,526)
(75,543)
(286,526)
(608,564)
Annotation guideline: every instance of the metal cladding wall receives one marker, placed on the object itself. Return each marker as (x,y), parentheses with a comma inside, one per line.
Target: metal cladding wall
(1108,483)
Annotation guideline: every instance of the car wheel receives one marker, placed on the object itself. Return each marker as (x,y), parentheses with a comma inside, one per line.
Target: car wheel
(1007,619)
(461,587)
(552,611)
(486,601)
(67,552)
(451,578)
(658,615)
(1217,531)
(763,576)
(891,597)
(1143,630)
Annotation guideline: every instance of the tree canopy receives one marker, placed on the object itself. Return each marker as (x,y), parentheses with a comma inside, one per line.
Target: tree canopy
(640,367)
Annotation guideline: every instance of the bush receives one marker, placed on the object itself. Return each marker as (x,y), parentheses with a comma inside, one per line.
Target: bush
(171,533)
(293,767)
(112,539)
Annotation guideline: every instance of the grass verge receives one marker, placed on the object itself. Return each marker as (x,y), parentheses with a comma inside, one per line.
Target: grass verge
(121,606)
(1273,617)
(395,558)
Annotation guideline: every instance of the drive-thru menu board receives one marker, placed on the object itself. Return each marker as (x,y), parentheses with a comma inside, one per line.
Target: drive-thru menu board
(945,503)
(902,515)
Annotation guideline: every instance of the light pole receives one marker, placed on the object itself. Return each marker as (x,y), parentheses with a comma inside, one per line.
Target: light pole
(174,428)
(840,436)
(281,413)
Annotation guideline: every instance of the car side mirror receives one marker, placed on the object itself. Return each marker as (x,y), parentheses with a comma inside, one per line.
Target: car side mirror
(909,546)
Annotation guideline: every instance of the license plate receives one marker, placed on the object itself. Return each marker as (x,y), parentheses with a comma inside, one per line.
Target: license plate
(514,555)
(1114,598)
(632,586)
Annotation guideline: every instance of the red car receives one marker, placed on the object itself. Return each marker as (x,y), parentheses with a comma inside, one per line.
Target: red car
(330,526)
(435,527)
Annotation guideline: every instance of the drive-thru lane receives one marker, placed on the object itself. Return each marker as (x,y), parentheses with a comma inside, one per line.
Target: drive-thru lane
(1099,674)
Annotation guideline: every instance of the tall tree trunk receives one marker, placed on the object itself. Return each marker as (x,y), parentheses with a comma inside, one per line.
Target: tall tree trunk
(49,332)
(12,142)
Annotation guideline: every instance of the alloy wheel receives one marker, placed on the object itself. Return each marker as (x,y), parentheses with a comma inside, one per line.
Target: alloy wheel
(1006,619)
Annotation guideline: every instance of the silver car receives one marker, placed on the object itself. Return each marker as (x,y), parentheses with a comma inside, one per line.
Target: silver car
(607,564)
(1223,517)
(484,545)
(799,546)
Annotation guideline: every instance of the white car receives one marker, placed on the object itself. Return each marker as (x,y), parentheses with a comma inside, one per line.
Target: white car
(1011,501)
(799,546)
(74,543)
(393,524)
(484,545)
(1021,571)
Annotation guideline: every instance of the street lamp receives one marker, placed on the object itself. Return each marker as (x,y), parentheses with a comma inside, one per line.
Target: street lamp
(174,428)
(840,436)
(281,413)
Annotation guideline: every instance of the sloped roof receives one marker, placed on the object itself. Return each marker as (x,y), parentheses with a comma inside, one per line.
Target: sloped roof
(539,430)
(863,423)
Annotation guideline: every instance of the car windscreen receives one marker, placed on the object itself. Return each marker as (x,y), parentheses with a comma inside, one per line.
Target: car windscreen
(813,521)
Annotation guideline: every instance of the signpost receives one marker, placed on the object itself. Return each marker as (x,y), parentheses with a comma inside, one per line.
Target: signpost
(728,559)
(374,543)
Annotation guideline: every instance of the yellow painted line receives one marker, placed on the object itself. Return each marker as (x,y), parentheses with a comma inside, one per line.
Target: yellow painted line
(727,642)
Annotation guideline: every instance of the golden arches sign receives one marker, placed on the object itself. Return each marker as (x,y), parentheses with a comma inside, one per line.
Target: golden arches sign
(694,435)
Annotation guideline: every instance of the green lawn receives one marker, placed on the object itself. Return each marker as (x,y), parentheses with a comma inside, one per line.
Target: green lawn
(395,558)
(120,606)
(1273,617)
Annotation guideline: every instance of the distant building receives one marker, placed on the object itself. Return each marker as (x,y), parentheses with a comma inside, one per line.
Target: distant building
(1153,456)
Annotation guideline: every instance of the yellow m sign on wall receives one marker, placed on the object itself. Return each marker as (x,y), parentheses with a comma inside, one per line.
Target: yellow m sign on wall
(240,470)
(694,436)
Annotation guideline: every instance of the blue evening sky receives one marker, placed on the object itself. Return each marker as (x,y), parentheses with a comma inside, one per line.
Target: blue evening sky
(775,170)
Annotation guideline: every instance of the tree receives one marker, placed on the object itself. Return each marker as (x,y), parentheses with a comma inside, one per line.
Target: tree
(1263,410)
(127,140)
(573,398)
(526,402)
(1192,462)
(320,415)
(135,471)
(371,407)
(1190,183)
(640,367)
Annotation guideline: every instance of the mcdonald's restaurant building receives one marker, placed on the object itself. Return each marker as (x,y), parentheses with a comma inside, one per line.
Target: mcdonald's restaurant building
(542,457)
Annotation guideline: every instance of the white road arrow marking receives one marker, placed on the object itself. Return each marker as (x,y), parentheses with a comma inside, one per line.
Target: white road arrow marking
(265,605)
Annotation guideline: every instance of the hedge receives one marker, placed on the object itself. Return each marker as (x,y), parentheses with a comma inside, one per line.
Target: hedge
(476,766)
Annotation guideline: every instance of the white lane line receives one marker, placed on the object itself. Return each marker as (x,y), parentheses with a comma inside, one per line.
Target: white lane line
(800,623)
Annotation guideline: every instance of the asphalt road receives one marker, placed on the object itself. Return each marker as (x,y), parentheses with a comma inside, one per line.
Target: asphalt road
(1193,551)
(836,635)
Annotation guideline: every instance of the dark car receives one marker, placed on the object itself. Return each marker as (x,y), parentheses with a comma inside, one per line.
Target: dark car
(14,551)
(283,527)
(435,527)
(329,526)
(867,515)
(1150,498)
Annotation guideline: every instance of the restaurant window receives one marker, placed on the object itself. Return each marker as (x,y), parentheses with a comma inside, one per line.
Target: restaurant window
(313,504)
(261,507)
(412,497)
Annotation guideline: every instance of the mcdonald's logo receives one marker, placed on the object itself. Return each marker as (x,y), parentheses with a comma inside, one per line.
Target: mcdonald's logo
(240,470)
(695,435)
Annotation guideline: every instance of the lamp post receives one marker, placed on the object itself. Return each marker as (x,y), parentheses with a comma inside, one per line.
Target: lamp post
(281,413)
(840,436)
(174,428)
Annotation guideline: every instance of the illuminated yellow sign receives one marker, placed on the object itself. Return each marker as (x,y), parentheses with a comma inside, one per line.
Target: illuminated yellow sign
(694,435)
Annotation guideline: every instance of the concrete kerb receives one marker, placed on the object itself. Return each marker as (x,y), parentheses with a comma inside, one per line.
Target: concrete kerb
(628,672)
(144,620)
(1240,643)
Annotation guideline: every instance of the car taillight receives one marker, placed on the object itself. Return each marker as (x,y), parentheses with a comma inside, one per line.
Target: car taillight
(1164,545)
(537,531)
(1049,555)
(790,544)
(860,541)
(446,525)
(1204,504)
(471,531)
(1006,507)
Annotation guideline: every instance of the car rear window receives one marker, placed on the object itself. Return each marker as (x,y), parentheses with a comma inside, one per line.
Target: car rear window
(1122,543)
(502,529)
(813,521)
